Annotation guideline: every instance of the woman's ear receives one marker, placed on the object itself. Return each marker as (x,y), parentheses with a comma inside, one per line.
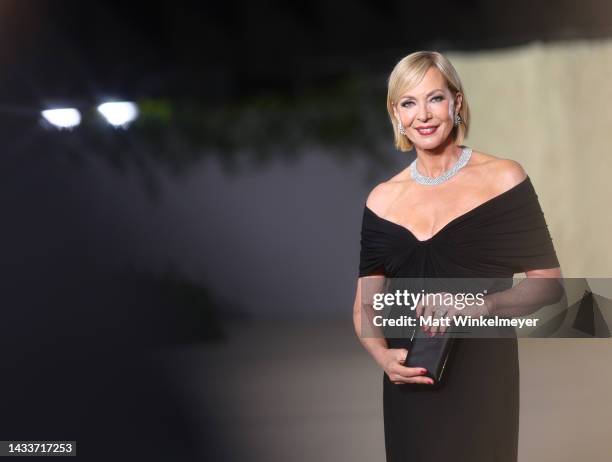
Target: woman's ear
(395,113)
(458,101)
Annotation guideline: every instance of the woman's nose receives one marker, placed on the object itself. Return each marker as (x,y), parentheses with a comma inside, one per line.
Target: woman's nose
(423,113)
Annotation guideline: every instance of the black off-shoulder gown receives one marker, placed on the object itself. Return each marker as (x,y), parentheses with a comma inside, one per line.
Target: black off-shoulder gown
(474,415)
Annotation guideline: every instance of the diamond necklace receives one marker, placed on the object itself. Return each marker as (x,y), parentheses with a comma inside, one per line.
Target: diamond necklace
(432,181)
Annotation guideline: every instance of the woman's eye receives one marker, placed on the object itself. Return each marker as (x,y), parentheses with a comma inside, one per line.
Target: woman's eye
(434,99)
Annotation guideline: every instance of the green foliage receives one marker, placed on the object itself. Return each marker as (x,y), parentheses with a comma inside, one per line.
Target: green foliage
(345,119)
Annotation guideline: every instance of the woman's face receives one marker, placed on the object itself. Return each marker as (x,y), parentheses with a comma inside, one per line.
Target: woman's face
(427,111)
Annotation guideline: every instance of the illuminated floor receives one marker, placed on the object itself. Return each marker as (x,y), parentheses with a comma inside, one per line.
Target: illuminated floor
(309,392)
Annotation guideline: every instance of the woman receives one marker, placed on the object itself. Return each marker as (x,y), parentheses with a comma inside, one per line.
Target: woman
(454,212)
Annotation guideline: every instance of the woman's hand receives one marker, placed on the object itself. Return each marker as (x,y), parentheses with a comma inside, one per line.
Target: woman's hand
(392,359)
(444,314)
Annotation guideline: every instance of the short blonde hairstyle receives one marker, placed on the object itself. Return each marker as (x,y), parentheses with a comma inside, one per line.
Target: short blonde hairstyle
(407,73)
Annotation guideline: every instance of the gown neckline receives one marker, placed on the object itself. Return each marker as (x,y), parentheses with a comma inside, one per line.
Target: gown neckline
(454,220)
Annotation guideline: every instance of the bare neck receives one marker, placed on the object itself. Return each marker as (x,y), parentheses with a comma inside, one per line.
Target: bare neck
(436,161)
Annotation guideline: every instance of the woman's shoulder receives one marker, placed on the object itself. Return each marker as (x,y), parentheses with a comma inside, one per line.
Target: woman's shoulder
(384,193)
(502,173)
(379,197)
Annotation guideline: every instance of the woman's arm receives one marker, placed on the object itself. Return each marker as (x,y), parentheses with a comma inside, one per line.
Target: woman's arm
(371,337)
(540,288)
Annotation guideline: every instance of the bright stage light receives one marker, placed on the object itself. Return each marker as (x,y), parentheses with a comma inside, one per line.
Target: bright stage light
(62,118)
(119,113)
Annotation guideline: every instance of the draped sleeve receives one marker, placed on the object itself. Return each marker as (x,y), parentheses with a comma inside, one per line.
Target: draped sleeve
(519,237)
(374,245)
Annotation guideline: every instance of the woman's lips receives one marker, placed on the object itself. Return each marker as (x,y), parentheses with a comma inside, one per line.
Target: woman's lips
(427,131)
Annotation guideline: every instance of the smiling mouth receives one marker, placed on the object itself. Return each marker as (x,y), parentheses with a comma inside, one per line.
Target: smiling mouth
(426,131)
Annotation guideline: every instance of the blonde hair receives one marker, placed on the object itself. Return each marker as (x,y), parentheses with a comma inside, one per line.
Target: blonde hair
(407,73)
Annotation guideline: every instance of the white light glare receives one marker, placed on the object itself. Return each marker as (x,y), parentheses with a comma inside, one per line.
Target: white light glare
(62,118)
(119,113)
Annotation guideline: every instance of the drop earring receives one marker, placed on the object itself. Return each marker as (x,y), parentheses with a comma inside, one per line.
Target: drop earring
(401,128)
(457,119)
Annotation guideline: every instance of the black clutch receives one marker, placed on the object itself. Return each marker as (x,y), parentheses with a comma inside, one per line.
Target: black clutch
(431,353)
